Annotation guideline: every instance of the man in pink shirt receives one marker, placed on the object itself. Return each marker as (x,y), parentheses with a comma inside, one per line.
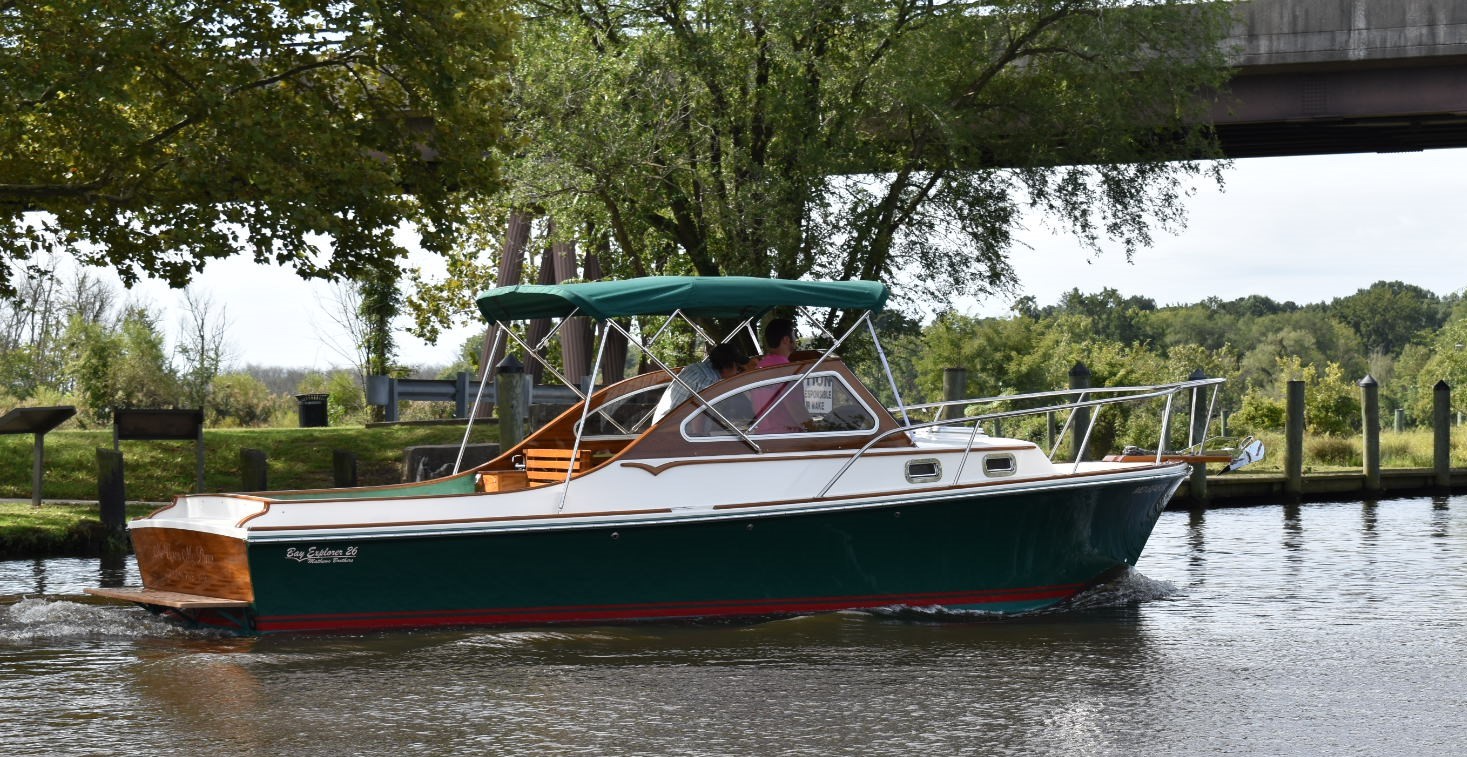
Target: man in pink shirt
(779,342)
(790,416)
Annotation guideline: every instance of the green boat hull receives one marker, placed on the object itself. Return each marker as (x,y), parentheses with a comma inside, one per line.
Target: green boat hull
(999,552)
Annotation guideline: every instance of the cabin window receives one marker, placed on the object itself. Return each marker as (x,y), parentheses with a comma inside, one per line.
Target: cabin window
(820,404)
(999,465)
(923,471)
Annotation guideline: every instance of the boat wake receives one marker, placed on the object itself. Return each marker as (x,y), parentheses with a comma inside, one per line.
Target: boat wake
(39,618)
(1126,589)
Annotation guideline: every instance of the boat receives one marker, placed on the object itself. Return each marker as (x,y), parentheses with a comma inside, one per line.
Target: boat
(605,515)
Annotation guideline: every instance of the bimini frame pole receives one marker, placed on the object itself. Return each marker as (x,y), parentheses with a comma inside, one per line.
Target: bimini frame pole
(891,378)
(534,354)
(570,468)
(479,395)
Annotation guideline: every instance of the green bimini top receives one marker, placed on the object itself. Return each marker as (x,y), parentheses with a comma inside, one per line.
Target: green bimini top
(696,296)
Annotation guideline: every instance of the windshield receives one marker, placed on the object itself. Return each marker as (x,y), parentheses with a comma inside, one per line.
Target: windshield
(629,414)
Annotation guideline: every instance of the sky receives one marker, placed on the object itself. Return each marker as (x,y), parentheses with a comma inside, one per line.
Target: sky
(1306,229)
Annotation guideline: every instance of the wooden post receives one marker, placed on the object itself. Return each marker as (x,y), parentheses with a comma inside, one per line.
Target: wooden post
(38,469)
(1294,441)
(254,470)
(111,489)
(1441,429)
(510,402)
(1196,435)
(343,468)
(1080,379)
(1400,420)
(1370,430)
(954,387)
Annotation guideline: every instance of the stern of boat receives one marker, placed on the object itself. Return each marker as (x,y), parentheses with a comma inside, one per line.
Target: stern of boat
(193,559)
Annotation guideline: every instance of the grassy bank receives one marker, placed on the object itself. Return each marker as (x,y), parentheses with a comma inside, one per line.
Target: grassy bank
(1407,449)
(156,471)
(56,530)
(299,458)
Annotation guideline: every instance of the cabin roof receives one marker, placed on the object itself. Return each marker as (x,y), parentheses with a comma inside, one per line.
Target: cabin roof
(695,296)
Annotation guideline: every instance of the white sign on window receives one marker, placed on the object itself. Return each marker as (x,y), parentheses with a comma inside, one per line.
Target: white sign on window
(820,394)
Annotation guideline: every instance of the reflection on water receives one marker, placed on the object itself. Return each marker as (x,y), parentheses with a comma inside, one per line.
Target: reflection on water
(1317,629)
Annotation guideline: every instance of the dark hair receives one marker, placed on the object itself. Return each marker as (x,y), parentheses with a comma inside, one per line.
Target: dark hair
(776,330)
(725,356)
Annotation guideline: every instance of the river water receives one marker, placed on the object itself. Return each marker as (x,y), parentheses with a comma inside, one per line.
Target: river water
(1316,629)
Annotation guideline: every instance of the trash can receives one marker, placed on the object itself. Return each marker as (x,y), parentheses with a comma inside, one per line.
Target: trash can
(312,410)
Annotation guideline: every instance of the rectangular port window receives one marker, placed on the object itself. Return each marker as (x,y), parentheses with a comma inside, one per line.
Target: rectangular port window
(999,465)
(923,471)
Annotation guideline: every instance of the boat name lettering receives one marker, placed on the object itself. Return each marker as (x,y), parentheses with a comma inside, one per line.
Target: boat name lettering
(188,553)
(322,555)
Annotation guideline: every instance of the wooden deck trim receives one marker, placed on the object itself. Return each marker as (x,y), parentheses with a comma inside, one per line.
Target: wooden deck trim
(465,521)
(173,599)
(1168,458)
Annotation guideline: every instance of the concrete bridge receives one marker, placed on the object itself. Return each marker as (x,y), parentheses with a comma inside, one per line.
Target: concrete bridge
(1340,76)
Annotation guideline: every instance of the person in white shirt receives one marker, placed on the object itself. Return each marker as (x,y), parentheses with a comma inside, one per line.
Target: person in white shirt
(723,361)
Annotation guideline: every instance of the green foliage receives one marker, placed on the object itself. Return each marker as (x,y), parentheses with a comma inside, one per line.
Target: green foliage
(154,137)
(121,366)
(1331,401)
(802,138)
(1389,314)
(1445,359)
(1259,412)
(239,399)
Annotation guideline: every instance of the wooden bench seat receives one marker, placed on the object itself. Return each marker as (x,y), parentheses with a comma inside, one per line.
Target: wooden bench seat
(550,465)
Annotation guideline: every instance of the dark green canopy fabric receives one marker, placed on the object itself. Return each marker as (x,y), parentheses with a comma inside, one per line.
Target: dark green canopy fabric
(697,296)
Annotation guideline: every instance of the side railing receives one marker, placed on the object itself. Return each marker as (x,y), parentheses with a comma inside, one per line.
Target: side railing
(1081,399)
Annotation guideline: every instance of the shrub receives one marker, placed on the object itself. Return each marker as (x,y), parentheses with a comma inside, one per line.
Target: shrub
(1332,450)
(1258,413)
(239,399)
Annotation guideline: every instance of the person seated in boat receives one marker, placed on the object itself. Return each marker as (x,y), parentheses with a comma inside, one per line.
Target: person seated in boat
(723,361)
(779,342)
(790,416)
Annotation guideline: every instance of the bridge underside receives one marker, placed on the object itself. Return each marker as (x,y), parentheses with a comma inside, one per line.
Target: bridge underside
(1317,110)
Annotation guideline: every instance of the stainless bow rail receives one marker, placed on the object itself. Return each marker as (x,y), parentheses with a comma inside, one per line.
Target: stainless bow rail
(1083,398)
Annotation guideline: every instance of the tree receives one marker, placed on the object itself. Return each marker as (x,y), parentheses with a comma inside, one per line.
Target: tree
(1113,317)
(121,365)
(1389,314)
(153,137)
(860,140)
(201,346)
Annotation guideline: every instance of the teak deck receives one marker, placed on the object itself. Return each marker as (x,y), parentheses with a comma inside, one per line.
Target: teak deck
(167,598)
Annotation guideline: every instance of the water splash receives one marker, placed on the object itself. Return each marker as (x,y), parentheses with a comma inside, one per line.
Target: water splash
(1128,588)
(33,619)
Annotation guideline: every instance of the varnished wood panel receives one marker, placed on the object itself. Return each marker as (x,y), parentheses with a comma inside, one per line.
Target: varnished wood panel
(193,562)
